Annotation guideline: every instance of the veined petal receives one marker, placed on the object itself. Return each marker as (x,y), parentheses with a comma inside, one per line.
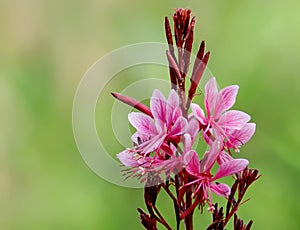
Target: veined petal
(233,119)
(159,127)
(179,127)
(171,105)
(220,189)
(198,113)
(242,136)
(218,131)
(211,94)
(176,113)
(224,157)
(141,122)
(210,157)
(172,165)
(231,167)
(225,100)
(193,129)
(191,160)
(152,144)
(158,105)
(187,144)
(127,159)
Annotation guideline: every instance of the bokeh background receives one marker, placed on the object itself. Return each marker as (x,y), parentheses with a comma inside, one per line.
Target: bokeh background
(46,47)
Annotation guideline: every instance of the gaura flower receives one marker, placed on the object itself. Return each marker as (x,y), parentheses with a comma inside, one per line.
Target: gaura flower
(236,139)
(158,165)
(166,125)
(240,137)
(154,134)
(225,125)
(204,181)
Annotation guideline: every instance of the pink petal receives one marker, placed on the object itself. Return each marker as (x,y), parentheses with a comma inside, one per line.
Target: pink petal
(224,157)
(226,99)
(179,127)
(172,165)
(159,127)
(171,105)
(158,105)
(220,189)
(198,113)
(233,119)
(127,159)
(218,131)
(211,94)
(187,144)
(141,122)
(241,137)
(210,157)
(173,99)
(230,168)
(193,128)
(177,113)
(191,160)
(152,144)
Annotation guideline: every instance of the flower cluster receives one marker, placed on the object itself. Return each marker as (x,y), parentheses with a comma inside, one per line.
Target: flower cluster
(164,151)
(164,139)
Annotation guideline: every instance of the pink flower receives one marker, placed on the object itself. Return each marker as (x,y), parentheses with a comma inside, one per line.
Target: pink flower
(155,134)
(142,166)
(222,123)
(201,170)
(240,137)
(131,158)
(166,125)
(224,157)
(236,139)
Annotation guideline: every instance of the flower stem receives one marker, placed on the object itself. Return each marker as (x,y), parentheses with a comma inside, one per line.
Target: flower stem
(189,217)
(176,205)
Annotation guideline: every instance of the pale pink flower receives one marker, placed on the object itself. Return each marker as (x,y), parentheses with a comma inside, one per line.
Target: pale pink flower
(154,134)
(167,124)
(192,129)
(224,157)
(130,158)
(236,139)
(240,137)
(142,166)
(221,122)
(204,181)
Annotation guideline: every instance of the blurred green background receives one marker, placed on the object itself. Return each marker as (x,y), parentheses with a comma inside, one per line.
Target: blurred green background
(46,47)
